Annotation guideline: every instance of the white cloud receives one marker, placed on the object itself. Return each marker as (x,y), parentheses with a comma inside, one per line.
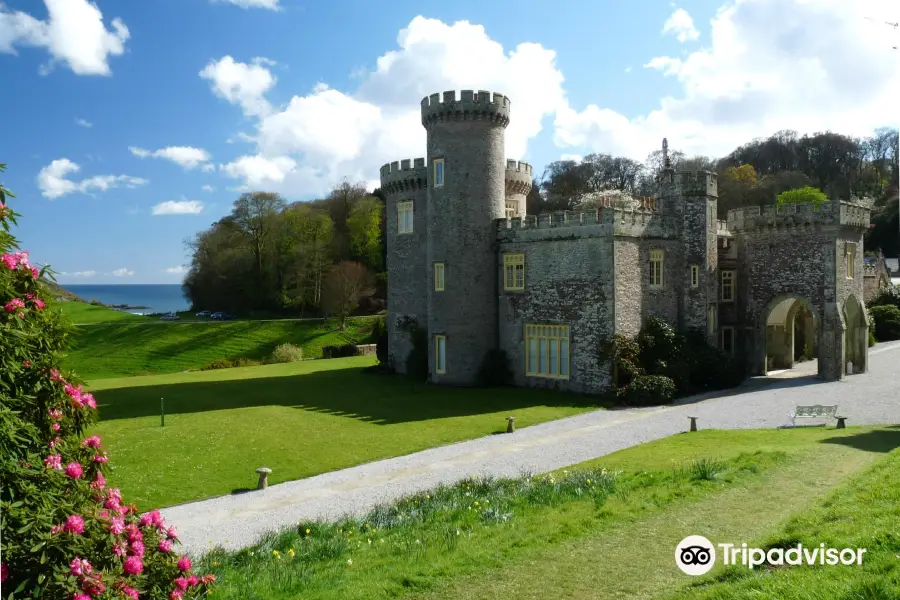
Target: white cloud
(84,123)
(319,138)
(186,156)
(80,274)
(74,34)
(240,83)
(575,157)
(179,270)
(178,207)
(269,4)
(771,65)
(123,272)
(53,180)
(681,25)
(208,188)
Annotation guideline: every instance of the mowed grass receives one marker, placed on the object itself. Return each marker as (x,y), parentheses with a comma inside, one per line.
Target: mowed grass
(589,532)
(299,419)
(109,350)
(83,313)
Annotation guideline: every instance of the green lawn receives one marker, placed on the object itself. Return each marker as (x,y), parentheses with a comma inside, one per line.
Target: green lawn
(83,313)
(586,535)
(299,419)
(107,350)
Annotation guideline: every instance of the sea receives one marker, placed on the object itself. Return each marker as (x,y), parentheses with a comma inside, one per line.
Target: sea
(152,298)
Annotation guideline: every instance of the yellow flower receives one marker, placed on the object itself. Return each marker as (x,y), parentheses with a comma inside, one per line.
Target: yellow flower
(307,532)
(276,554)
(374,530)
(476,503)
(215,564)
(291,552)
(349,561)
(370,541)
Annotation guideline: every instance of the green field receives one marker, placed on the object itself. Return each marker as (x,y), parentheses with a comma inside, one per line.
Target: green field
(125,349)
(583,534)
(299,419)
(83,313)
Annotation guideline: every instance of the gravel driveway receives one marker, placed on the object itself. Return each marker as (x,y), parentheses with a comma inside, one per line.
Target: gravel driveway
(238,520)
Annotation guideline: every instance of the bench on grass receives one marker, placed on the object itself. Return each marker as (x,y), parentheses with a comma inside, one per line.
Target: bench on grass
(814,412)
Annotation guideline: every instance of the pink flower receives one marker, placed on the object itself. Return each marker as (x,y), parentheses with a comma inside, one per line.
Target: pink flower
(20,315)
(137,548)
(35,273)
(92,442)
(133,565)
(117,525)
(81,597)
(130,592)
(74,524)
(101,458)
(99,482)
(10,261)
(119,549)
(26,364)
(172,534)
(165,545)
(184,564)
(54,461)
(53,444)
(4,572)
(55,427)
(193,580)
(88,399)
(80,566)
(74,470)
(74,393)
(14,305)
(207,579)
(38,303)
(175,595)
(55,414)
(181,583)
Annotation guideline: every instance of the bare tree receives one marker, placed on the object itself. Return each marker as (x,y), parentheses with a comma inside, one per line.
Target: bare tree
(344,286)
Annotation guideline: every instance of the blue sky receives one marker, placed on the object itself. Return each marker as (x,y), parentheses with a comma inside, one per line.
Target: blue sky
(118,114)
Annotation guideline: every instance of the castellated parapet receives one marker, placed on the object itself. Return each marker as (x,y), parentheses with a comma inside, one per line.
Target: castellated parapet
(697,183)
(603,222)
(853,213)
(480,106)
(404,175)
(518,177)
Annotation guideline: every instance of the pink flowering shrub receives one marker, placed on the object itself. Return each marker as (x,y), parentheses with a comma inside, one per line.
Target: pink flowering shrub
(66,535)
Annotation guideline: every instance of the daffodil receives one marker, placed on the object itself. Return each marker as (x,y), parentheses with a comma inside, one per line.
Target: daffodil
(307,532)
(291,552)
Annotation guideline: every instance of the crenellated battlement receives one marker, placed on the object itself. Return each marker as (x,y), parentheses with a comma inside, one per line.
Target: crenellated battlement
(870,270)
(404,175)
(854,213)
(518,177)
(697,183)
(475,106)
(589,223)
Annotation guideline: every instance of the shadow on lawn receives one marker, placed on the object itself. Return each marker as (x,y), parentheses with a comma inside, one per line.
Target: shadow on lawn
(880,440)
(347,392)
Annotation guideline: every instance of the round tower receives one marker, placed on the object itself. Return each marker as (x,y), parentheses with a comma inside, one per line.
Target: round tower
(518,184)
(405,189)
(466,193)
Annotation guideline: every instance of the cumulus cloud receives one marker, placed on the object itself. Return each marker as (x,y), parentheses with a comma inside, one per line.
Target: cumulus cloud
(178,207)
(769,65)
(208,188)
(53,180)
(79,274)
(179,270)
(681,25)
(84,123)
(74,34)
(240,83)
(269,4)
(186,156)
(123,272)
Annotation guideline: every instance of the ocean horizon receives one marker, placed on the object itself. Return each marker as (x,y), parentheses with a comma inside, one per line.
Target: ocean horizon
(151,297)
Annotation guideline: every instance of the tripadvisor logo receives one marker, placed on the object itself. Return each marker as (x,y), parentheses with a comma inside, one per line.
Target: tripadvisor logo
(696,555)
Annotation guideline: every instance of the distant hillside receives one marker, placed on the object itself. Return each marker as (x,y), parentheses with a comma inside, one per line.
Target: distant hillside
(57,291)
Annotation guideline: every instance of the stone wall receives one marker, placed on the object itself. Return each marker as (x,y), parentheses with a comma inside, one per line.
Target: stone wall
(635,301)
(569,282)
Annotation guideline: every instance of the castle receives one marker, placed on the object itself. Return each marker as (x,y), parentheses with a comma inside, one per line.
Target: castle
(471,271)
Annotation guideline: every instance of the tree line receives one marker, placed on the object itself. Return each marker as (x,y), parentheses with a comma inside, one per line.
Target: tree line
(755,173)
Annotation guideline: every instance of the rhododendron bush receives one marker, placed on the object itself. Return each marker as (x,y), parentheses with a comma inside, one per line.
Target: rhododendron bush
(65,533)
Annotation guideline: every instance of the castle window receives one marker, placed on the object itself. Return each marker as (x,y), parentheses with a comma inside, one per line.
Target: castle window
(547,351)
(439,277)
(404,217)
(438,172)
(711,319)
(511,210)
(656,268)
(727,286)
(728,340)
(695,276)
(440,354)
(513,271)
(850,253)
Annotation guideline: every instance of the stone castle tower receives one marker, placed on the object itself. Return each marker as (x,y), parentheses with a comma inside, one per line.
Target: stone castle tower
(469,272)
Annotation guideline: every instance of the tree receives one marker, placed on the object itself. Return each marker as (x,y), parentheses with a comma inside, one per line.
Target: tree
(804,195)
(364,232)
(254,215)
(64,535)
(346,283)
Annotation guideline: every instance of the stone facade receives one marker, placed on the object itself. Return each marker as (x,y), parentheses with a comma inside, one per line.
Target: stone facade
(476,274)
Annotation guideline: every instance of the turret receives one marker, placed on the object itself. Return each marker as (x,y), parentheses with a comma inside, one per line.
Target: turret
(466,192)
(518,184)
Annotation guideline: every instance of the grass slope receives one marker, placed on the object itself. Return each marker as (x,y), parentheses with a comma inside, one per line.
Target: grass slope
(576,534)
(299,419)
(109,350)
(80,313)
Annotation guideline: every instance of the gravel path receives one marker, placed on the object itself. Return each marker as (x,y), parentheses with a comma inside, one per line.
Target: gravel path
(238,520)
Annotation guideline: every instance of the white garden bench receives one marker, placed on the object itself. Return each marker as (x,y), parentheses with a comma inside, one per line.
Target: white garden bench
(814,412)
